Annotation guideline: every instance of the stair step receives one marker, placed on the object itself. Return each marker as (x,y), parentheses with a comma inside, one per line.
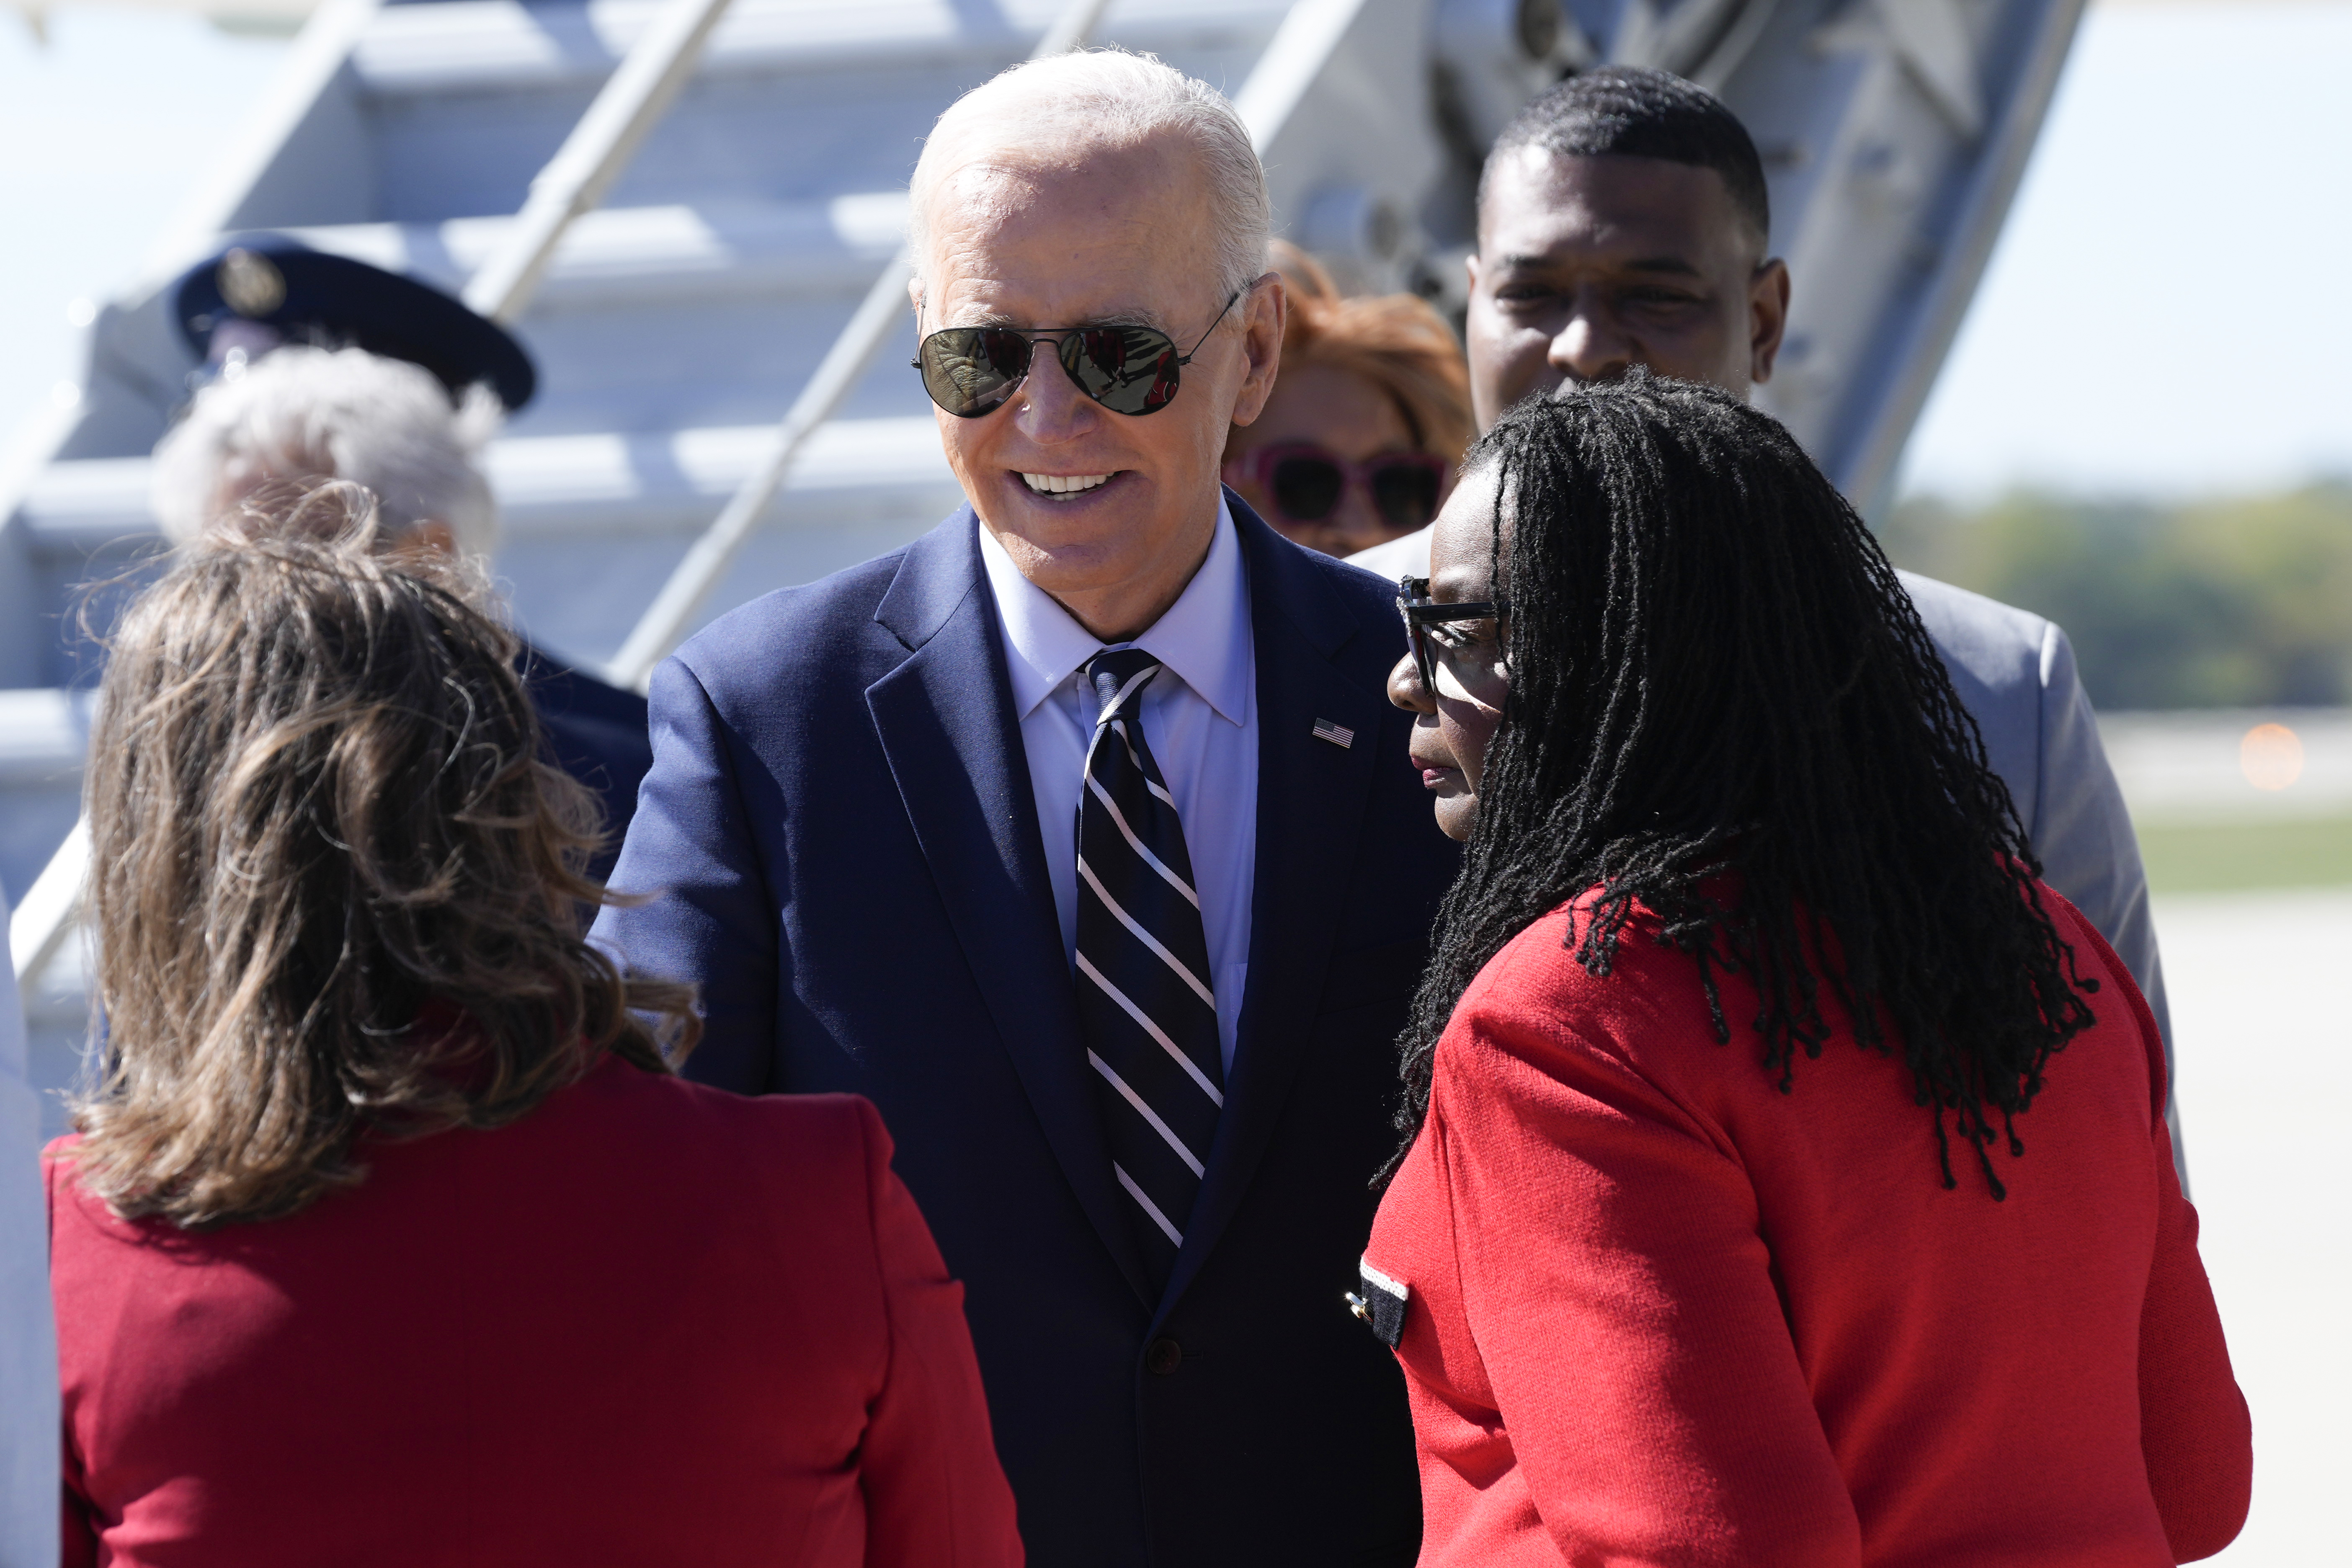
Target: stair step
(554,487)
(797,99)
(730,247)
(474,46)
(44,735)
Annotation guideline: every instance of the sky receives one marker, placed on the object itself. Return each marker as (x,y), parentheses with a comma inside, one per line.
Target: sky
(2166,313)
(103,132)
(2164,317)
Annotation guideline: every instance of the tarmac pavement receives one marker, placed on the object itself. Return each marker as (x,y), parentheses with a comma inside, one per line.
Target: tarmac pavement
(2264,1040)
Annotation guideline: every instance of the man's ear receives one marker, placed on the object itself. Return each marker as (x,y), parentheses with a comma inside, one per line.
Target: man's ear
(1767,318)
(1267,311)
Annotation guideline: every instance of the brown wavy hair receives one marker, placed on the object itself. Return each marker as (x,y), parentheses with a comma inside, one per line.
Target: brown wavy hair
(336,886)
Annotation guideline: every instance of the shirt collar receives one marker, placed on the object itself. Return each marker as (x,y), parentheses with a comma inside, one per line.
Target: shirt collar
(1203,637)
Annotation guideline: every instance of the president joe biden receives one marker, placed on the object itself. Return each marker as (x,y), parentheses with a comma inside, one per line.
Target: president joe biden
(1079,835)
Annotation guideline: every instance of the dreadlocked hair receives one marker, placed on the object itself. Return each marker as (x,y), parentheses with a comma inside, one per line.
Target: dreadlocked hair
(1723,708)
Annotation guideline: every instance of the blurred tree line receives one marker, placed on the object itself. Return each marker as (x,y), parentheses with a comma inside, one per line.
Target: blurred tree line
(2216,605)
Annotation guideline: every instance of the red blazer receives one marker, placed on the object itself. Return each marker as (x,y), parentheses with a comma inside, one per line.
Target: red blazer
(648,1324)
(1660,1313)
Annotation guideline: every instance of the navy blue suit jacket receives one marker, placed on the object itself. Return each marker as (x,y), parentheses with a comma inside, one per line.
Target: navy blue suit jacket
(599,734)
(840,829)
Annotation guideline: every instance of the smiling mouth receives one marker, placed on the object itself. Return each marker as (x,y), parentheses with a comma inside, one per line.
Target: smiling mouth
(1057,485)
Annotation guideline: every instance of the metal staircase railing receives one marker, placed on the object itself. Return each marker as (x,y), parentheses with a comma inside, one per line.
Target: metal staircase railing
(600,146)
(573,181)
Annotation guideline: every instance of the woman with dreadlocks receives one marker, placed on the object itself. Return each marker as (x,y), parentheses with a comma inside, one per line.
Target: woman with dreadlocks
(1717,1240)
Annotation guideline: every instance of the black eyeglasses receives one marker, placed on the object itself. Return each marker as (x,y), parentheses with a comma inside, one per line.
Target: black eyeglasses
(1451,635)
(973,371)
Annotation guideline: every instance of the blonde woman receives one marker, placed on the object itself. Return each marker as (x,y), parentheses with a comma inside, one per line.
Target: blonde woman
(387,1236)
(1357,442)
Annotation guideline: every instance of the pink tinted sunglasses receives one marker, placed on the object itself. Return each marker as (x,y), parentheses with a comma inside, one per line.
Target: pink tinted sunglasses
(1308,482)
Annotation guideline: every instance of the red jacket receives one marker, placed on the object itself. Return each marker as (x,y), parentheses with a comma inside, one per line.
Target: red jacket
(647,1323)
(1660,1313)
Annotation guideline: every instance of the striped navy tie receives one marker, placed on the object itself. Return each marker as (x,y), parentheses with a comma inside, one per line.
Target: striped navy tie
(1145,1004)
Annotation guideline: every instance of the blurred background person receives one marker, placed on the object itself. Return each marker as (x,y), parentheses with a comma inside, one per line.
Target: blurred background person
(28,1359)
(1370,412)
(326,368)
(1738,1306)
(383,1149)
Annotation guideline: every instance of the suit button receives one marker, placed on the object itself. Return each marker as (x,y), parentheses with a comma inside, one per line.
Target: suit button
(1163,1357)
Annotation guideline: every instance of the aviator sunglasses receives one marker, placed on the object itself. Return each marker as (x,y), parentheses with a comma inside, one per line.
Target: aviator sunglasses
(1306,482)
(973,371)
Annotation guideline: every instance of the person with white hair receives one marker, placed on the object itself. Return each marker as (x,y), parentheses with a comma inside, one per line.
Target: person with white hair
(304,413)
(1078,836)
(404,405)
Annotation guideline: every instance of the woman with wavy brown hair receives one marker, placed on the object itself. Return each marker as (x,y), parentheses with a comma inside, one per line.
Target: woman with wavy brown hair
(388,1236)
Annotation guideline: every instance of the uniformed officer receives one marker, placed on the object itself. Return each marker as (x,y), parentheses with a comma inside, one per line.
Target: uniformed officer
(318,366)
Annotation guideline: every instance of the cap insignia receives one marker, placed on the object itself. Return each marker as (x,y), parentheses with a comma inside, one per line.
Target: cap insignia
(251,283)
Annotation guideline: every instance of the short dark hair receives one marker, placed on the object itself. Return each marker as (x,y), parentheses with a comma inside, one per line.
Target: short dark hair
(1631,112)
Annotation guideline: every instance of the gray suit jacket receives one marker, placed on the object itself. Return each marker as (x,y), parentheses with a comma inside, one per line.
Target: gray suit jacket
(2016,673)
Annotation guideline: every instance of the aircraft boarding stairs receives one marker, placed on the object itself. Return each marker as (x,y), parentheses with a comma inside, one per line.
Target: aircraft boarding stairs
(680,319)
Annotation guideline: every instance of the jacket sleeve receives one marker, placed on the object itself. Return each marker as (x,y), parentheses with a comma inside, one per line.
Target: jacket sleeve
(2082,832)
(2195,1430)
(1623,1302)
(701,907)
(2196,1433)
(77,1520)
(935,1494)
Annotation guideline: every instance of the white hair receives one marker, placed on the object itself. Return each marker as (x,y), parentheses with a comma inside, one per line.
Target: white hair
(1112,98)
(300,414)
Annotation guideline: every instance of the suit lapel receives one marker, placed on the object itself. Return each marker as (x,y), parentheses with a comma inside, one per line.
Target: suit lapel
(1311,798)
(946,723)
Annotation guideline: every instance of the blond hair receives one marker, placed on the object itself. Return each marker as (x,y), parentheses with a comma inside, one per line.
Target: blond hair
(337,891)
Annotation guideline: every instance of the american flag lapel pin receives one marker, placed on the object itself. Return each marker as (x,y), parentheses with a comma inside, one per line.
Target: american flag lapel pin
(1338,735)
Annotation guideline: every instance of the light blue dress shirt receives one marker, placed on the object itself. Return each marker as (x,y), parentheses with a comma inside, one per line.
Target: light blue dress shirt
(1199,718)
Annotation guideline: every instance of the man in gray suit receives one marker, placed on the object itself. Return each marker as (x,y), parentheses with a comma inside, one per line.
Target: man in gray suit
(1623,220)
